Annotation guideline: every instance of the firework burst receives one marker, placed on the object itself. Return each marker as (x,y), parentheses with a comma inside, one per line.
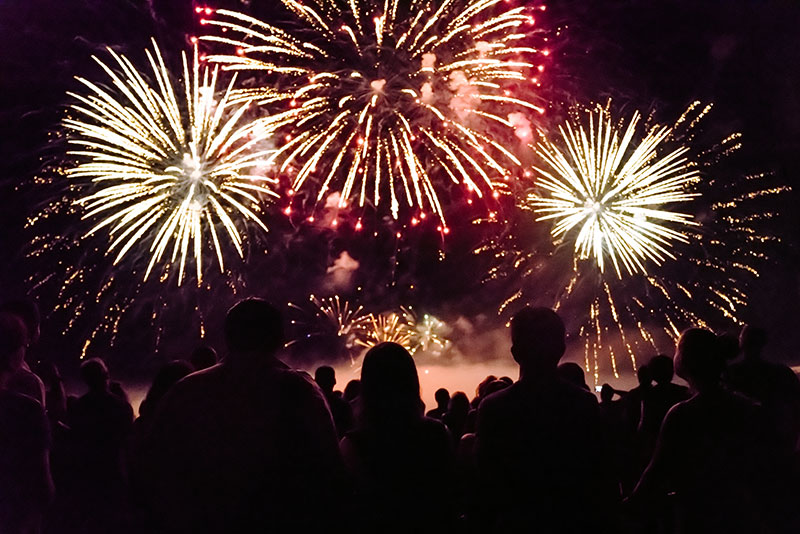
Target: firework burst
(392,100)
(166,167)
(665,213)
(389,327)
(613,198)
(429,333)
(343,325)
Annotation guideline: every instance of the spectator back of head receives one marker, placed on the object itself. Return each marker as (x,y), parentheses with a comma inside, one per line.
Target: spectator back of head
(325,377)
(28,313)
(606,393)
(95,374)
(253,326)
(390,384)
(573,373)
(661,369)
(12,342)
(538,338)
(442,397)
(698,359)
(643,375)
(203,357)
(352,390)
(752,340)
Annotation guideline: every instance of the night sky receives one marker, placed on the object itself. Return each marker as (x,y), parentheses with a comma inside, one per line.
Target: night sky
(742,55)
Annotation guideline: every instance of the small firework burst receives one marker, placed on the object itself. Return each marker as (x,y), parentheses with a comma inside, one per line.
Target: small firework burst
(335,322)
(389,327)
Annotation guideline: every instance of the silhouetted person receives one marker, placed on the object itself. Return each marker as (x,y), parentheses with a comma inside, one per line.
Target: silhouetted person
(399,459)
(480,391)
(573,373)
(342,412)
(660,398)
(539,442)
(101,422)
(25,483)
(442,398)
(55,394)
(456,417)
(169,375)
(773,385)
(352,391)
(634,397)
(707,451)
(203,357)
(244,446)
(618,435)
(24,380)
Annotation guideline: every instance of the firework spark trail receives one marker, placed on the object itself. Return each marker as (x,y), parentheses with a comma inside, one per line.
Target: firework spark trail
(161,163)
(382,94)
(663,258)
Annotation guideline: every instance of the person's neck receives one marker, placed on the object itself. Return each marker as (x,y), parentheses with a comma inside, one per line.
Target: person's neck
(252,360)
(537,375)
(705,390)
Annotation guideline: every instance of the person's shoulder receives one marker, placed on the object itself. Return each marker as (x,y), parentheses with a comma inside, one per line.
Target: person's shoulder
(575,395)
(199,379)
(24,406)
(295,377)
(296,383)
(27,383)
(500,399)
(20,400)
(434,426)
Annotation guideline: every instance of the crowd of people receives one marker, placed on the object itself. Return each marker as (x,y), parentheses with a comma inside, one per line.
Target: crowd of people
(248,444)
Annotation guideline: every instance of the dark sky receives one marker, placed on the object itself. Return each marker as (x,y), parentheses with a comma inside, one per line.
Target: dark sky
(743,55)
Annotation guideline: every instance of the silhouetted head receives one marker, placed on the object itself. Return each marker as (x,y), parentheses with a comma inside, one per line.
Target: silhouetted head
(95,374)
(459,404)
(442,397)
(606,393)
(752,341)
(325,377)
(352,390)
(662,369)
(12,343)
(538,339)
(496,386)
(253,328)
(203,357)
(480,391)
(28,312)
(644,376)
(390,385)
(572,373)
(698,359)
(169,374)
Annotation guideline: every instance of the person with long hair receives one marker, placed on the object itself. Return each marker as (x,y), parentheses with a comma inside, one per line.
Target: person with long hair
(401,462)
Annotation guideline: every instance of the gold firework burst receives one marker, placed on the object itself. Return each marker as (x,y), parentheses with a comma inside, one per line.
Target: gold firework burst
(613,192)
(163,164)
